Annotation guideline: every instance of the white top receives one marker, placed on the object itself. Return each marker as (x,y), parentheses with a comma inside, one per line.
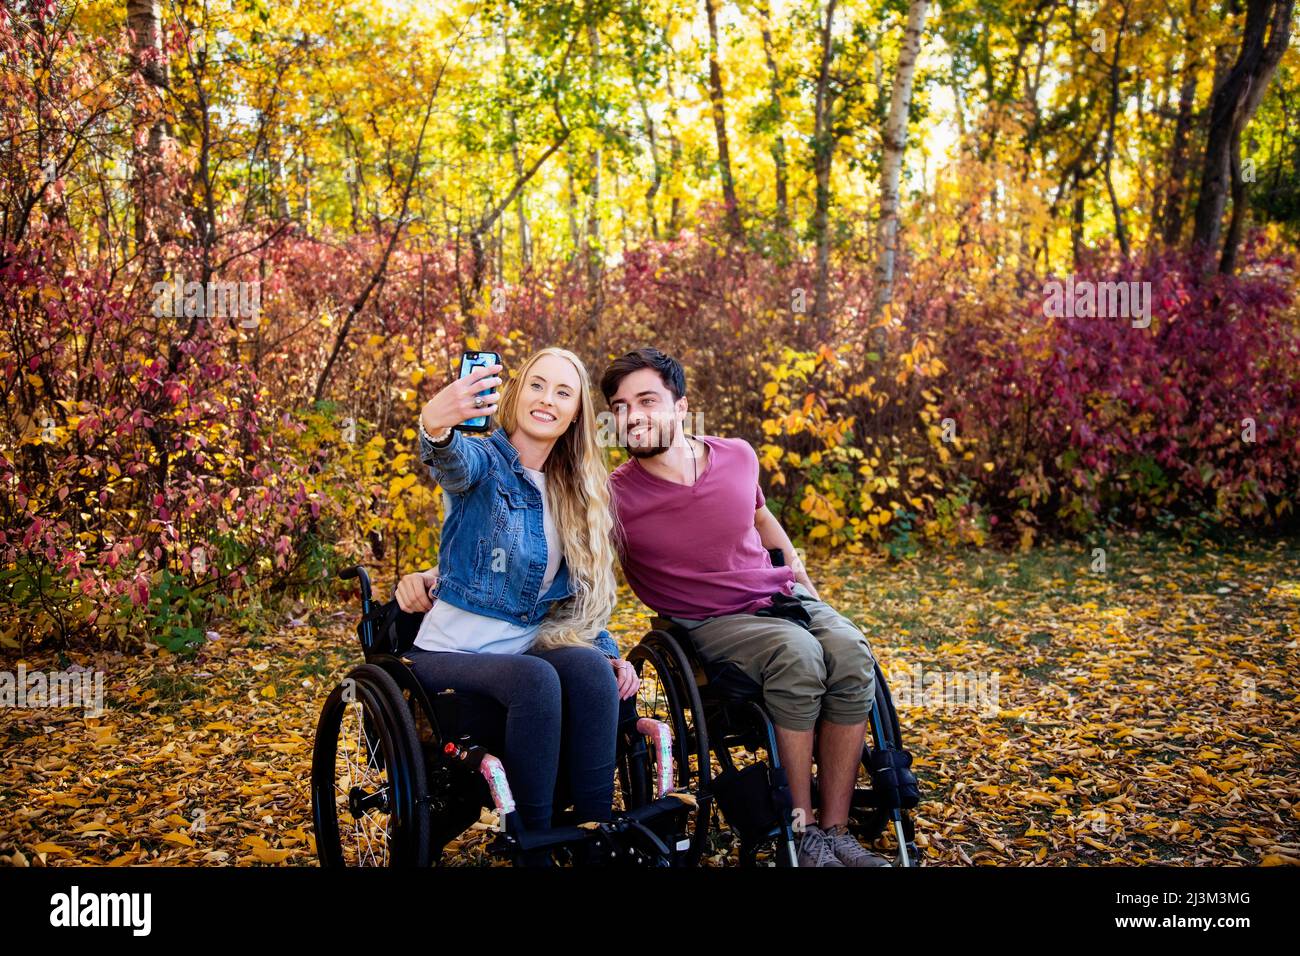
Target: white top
(449,628)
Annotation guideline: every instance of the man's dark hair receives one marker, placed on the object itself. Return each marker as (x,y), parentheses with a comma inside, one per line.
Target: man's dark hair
(670,371)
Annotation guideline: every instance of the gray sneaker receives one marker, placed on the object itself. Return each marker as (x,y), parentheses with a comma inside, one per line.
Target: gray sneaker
(848,851)
(815,848)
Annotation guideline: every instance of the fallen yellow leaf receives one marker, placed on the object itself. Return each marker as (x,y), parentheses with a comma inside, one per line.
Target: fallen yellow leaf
(267,855)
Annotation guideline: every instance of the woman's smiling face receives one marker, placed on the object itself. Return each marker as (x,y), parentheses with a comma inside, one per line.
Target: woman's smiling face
(549,398)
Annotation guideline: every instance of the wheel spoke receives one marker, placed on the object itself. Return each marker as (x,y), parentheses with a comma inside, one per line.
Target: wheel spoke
(357,768)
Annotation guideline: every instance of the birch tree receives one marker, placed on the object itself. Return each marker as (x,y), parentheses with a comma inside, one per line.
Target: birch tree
(891,166)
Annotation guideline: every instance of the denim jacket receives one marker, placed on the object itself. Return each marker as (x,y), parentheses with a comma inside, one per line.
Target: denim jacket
(493,553)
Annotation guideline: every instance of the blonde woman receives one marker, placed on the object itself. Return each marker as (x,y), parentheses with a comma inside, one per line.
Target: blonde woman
(525,582)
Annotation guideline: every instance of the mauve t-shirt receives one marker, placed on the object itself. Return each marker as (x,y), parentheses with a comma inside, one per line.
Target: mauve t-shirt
(693,551)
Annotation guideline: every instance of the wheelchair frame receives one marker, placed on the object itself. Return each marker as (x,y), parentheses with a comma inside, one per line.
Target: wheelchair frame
(432,787)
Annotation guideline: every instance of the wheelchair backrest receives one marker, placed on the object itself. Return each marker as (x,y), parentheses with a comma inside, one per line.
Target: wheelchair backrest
(387,629)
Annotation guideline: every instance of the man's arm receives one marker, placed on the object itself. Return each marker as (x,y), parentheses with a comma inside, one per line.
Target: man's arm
(773,535)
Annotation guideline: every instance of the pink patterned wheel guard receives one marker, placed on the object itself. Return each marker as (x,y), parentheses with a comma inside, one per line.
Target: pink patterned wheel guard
(495,775)
(661,738)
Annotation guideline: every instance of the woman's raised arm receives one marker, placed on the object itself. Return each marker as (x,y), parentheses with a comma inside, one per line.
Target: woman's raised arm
(458,465)
(455,462)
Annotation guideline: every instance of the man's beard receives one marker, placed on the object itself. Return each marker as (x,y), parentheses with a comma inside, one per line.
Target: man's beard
(665,441)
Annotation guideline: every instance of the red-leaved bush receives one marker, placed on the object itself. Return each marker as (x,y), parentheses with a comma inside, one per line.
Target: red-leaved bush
(157,473)
(1087,419)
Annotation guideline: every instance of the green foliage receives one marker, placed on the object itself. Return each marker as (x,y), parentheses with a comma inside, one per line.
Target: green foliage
(177,614)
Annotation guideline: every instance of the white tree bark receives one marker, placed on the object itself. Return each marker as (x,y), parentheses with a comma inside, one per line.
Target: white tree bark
(147,59)
(900,103)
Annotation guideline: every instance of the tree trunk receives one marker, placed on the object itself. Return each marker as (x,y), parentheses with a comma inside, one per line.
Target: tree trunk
(1077,217)
(720,125)
(1176,197)
(571,210)
(778,117)
(595,257)
(891,166)
(823,154)
(1264,40)
(1279,37)
(147,59)
(657,181)
(525,230)
(1236,223)
(674,154)
(1117,213)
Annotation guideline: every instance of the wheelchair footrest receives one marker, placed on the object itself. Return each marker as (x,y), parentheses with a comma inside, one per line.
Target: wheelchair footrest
(661,823)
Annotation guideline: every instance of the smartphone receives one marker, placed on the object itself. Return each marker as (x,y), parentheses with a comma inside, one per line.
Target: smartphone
(468,362)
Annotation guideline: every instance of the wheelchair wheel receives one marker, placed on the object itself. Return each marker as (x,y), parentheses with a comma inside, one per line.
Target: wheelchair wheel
(666,694)
(368,783)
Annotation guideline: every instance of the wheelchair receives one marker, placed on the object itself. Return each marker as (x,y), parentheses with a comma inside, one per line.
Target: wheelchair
(398,773)
(715,709)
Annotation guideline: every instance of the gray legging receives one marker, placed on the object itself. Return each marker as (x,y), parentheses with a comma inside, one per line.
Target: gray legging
(559,702)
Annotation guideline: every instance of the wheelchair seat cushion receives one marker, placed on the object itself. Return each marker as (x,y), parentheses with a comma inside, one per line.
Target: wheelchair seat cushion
(477,717)
(726,681)
(718,680)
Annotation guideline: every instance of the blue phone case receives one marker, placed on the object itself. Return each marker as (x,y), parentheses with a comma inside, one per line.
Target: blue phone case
(467,365)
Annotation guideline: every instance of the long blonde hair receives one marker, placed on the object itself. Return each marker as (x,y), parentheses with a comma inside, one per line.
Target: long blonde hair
(579,500)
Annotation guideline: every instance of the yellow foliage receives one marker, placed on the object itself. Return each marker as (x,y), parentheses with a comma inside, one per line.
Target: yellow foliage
(813,401)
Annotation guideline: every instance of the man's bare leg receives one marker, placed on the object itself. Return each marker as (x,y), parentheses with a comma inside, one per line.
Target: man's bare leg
(795,748)
(839,754)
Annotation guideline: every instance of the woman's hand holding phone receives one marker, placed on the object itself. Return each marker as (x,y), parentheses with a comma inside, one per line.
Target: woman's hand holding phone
(455,403)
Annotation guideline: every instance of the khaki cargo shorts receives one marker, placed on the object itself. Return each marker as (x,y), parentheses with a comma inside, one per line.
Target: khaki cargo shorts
(826,673)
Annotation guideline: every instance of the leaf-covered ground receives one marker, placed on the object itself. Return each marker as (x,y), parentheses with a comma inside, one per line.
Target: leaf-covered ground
(1147,714)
